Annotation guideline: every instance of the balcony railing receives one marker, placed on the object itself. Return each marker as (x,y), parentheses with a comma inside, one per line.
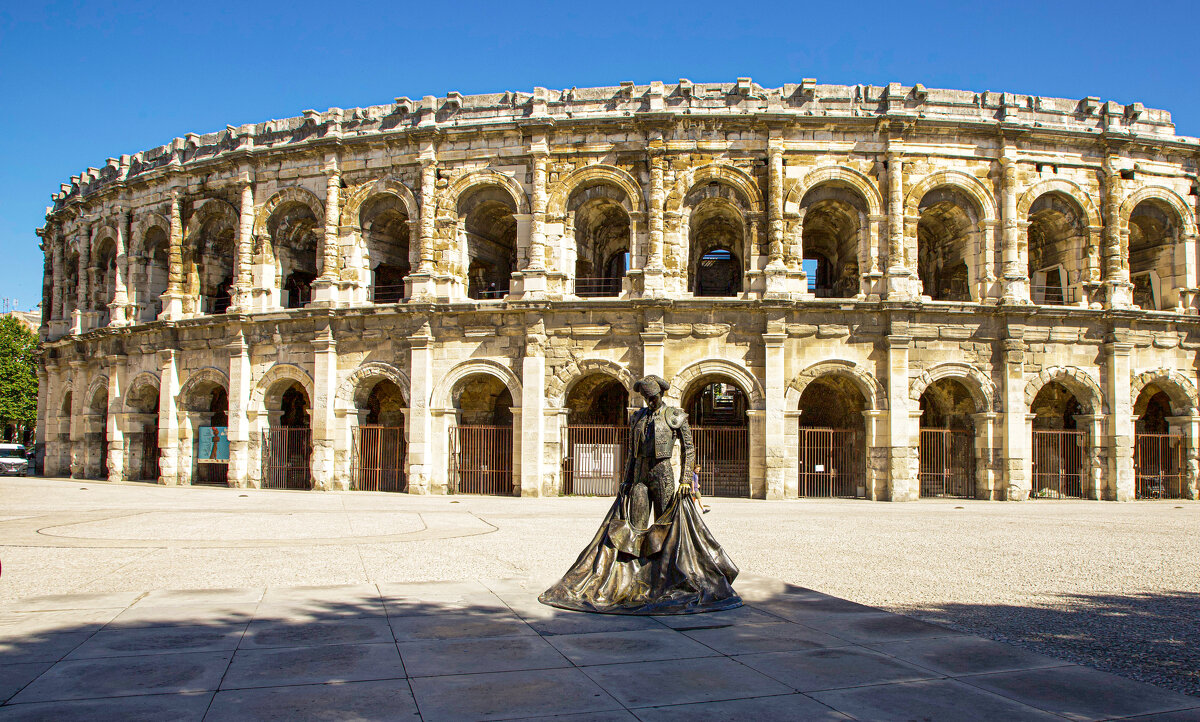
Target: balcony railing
(1053,295)
(600,287)
(386,294)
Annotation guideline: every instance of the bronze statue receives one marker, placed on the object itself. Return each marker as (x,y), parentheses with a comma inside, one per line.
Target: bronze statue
(670,564)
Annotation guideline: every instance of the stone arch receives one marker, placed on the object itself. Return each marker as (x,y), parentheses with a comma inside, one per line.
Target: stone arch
(968,184)
(104,232)
(264,392)
(146,379)
(600,173)
(1086,390)
(489,367)
(859,182)
(1063,187)
(488,177)
(351,392)
(210,375)
(390,186)
(745,380)
(1185,399)
(145,223)
(291,194)
(981,388)
(868,385)
(1186,217)
(728,175)
(566,378)
(209,208)
(98,384)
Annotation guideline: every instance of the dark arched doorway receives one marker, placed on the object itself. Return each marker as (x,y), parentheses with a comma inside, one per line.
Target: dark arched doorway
(287,443)
(947,442)
(1059,446)
(209,412)
(717,412)
(380,451)
(1160,449)
(597,436)
(481,441)
(832,439)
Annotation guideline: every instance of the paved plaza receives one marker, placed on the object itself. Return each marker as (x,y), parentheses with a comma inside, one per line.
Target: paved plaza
(143,602)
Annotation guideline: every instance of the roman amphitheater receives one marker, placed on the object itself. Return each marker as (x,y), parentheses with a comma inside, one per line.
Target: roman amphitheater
(855,291)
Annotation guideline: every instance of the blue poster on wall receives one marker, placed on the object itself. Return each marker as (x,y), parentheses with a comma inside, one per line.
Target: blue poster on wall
(214,445)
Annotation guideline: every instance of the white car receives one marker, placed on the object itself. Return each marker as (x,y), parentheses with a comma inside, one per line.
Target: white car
(12,460)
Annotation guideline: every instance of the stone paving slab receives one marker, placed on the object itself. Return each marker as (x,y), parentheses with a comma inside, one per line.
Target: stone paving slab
(489,650)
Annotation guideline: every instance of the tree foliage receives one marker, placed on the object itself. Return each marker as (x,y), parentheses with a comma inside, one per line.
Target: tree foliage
(18,374)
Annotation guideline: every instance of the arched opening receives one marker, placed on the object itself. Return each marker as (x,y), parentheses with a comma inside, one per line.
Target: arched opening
(1059,445)
(717,410)
(488,220)
(208,264)
(947,443)
(106,280)
(380,449)
(832,441)
(155,274)
(287,443)
(96,435)
(208,418)
(63,450)
(481,441)
(832,224)
(386,232)
(1057,240)
(1153,232)
(597,436)
(1160,447)
(947,236)
(602,233)
(716,237)
(70,280)
(295,232)
(143,437)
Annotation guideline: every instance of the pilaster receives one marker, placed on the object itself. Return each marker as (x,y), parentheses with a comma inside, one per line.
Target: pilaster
(1121,484)
(118,309)
(904,484)
(324,288)
(79,384)
(172,299)
(323,420)
(114,422)
(1015,287)
(1017,481)
(775,439)
(168,417)
(239,421)
(420,464)
(243,262)
(533,411)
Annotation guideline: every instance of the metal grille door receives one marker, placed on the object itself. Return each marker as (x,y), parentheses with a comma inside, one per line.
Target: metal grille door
(481,460)
(148,468)
(211,474)
(1058,464)
(595,459)
(286,453)
(723,453)
(1158,463)
(947,463)
(379,456)
(831,463)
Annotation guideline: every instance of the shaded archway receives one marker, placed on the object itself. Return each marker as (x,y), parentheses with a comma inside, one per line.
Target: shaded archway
(832,438)
(716,239)
(832,222)
(142,437)
(386,232)
(380,448)
(95,433)
(1059,444)
(717,411)
(152,283)
(602,239)
(488,230)
(294,232)
(948,236)
(1057,236)
(106,279)
(1160,447)
(287,441)
(1153,235)
(208,254)
(206,403)
(948,440)
(597,435)
(481,441)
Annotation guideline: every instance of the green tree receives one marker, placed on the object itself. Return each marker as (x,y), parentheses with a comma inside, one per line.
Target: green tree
(18,375)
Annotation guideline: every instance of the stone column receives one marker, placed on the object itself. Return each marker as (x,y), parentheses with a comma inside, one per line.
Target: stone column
(875,480)
(76,423)
(420,469)
(533,411)
(776,270)
(1119,420)
(899,283)
(986,479)
(774,442)
(1016,263)
(653,269)
(653,338)
(325,286)
(1017,479)
(59,293)
(118,309)
(81,290)
(43,414)
(168,417)
(1116,250)
(172,299)
(902,464)
(239,422)
(115,423)
(243,262)
(325,373)
(1185,259)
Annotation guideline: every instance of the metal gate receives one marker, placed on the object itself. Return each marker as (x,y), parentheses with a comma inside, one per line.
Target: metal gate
(212,473)
(831,463)
(1158,464)
(723,453)
(286,456)
(481,460)
(595,459)
(148,467)
(379,455)
(1058,464)
(947,463)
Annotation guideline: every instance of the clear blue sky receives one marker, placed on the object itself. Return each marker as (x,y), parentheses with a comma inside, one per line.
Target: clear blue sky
(82,82)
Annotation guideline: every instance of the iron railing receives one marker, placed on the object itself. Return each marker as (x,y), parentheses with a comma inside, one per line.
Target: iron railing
(723,453)
(212,474)
(286,458)
(481,460)
(378,459)
(1158,464)
(148,463)
(1058,464)
(386,294)
(947,463)
(595,459)
(598,287)
(1054,295)
(832,463)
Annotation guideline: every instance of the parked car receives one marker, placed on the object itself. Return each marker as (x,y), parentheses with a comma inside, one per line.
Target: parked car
(12,460)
